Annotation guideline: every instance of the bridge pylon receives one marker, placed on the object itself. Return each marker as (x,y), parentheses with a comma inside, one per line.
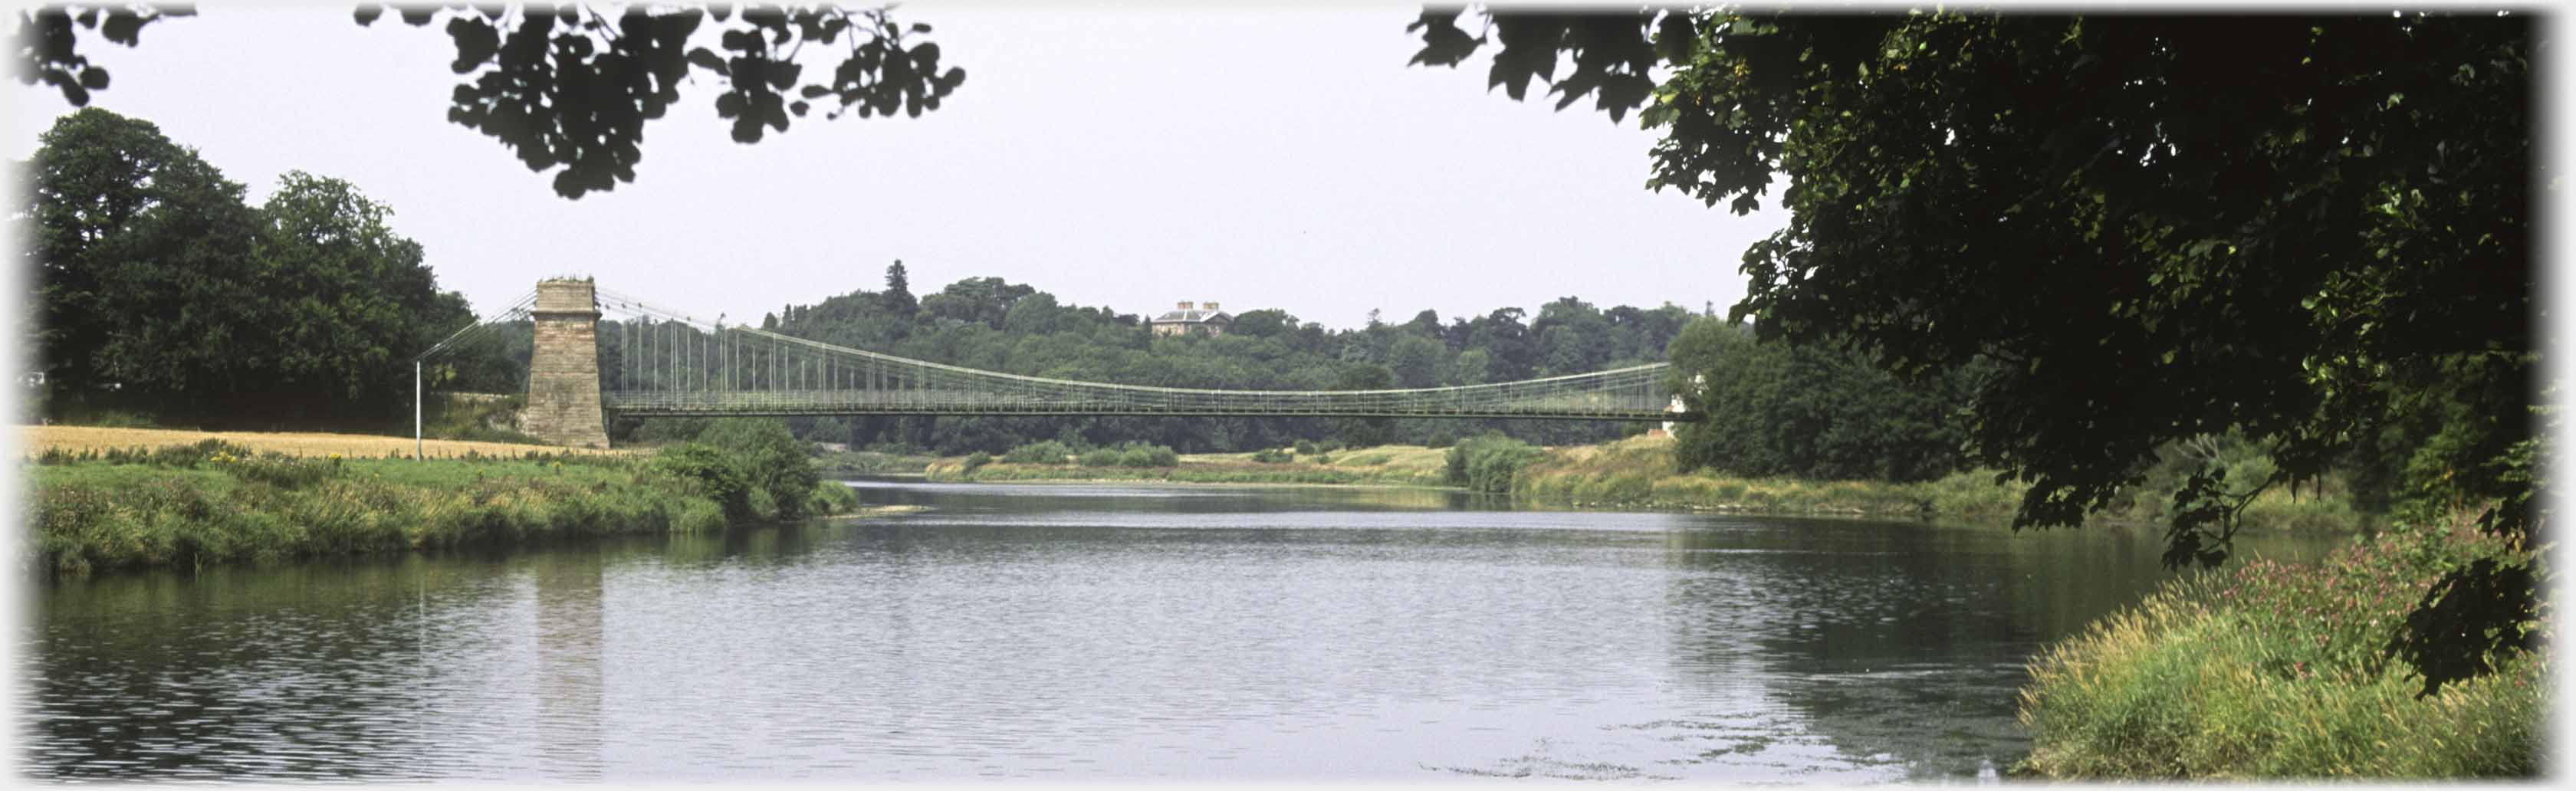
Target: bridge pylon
(563,368)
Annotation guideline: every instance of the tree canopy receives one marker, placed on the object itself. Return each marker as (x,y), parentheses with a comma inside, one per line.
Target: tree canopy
(160,289)
(569,89)
(2312,230)
(1816,410)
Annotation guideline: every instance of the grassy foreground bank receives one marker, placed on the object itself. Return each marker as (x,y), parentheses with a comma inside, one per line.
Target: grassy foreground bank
(215,502)
(2267,670)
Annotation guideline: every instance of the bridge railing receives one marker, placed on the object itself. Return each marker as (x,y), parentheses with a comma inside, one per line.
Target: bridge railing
(668,363)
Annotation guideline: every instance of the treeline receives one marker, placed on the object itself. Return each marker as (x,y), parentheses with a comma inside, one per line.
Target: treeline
(160,291)
(991,324)
(1831,411)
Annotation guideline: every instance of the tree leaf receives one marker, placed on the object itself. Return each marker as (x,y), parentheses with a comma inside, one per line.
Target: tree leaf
(707,59)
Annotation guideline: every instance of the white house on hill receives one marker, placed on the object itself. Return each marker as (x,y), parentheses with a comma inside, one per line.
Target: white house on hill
(1187,319)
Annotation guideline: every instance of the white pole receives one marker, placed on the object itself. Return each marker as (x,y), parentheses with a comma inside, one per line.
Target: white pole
(416,391)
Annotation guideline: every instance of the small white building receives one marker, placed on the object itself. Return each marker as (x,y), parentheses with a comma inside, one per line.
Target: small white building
(1192,319)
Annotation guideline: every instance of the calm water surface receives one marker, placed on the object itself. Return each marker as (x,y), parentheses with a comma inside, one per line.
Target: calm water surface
(1089,632)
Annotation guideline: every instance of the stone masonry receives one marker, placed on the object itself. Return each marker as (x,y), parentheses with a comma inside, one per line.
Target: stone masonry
(563,370)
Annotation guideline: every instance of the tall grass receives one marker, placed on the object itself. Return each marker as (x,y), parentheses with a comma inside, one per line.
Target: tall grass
(2274,670)
(214,503)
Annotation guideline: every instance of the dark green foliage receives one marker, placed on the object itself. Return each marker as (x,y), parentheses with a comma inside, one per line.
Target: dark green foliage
(1272,456)
(978,459)
(2313,231)
(48,43)
(1814,411)
(1360,432)
(771,459)
(751,466)
(1487,463)
(1137,454)
(160,290)
(717,476)
(1305,447)
(1099,457)
(1039,452)
(572,88)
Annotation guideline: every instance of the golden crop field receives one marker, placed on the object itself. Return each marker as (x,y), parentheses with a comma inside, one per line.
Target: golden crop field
(36,439)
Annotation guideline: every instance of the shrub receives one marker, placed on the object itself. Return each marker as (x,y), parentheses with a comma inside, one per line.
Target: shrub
(1139,454)
(716,475)
(1039,452)
(769,457)
(1487,463)
(1440,439)
(1271,456)
(1305,447)
(978,459)
(1100,457)
(831,497)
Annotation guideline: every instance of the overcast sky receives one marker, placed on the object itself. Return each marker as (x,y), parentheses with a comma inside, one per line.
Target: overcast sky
(1111,155)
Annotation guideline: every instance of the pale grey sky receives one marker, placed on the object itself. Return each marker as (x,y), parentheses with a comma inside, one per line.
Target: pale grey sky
(1128,157)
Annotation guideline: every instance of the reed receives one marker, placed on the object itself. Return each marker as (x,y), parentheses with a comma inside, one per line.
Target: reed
(2272,670)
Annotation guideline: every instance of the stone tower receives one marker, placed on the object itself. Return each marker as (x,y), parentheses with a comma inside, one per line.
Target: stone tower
(563,369)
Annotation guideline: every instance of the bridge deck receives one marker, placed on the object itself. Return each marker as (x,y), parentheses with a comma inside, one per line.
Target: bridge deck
(846,402)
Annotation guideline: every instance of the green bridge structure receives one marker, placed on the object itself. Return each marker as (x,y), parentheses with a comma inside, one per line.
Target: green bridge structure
(663,363)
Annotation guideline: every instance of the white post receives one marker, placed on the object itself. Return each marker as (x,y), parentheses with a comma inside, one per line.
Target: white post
(416,391)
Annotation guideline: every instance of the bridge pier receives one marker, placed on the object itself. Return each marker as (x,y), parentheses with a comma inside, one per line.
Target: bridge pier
(563,368)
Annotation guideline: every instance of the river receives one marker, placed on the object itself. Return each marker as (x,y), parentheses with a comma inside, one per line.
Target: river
(1081,632)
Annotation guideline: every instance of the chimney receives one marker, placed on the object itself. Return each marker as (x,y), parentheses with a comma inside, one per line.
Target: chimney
(1211,306)
(1185,306)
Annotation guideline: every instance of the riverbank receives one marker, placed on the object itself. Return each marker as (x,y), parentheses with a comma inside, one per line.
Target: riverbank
(2268,670)
(863,462)
(1391,465)
(215,502)
(1641,472)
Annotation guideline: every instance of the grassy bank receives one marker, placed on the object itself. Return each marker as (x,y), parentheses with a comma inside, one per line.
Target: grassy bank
(868,462)
(1390,465)
(2268,670)
(1640,472)
(214,502)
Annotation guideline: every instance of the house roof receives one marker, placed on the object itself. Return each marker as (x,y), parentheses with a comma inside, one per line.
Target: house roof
(1193,317)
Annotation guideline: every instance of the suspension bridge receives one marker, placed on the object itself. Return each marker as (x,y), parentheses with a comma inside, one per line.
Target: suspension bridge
(598,353)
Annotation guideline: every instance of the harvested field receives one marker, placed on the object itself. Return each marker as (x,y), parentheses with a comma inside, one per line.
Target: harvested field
(36,439)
